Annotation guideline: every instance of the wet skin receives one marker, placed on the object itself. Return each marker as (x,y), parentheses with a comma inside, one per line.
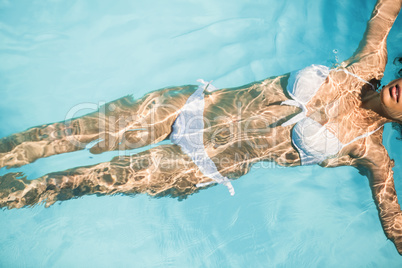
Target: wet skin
(243,127)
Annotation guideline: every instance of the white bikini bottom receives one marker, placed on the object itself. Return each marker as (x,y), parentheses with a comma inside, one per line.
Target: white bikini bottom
(188,132)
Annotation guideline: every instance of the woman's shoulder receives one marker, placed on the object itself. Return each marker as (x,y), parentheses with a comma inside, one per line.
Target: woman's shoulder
(368,67)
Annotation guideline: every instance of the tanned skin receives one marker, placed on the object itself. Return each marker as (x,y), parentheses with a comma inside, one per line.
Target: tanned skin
(243,126)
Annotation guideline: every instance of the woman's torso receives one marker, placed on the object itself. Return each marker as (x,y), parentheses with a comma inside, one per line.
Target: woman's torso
(244,124)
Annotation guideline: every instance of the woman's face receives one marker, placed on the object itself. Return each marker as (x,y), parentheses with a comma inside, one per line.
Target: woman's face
(391,99)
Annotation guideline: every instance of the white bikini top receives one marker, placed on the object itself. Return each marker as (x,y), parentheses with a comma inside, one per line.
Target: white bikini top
(314,142)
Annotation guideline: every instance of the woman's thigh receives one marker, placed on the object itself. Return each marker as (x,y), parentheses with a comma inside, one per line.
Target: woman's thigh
(121,124)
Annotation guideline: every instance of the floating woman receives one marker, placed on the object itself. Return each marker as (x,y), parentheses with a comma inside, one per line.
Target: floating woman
(331,117)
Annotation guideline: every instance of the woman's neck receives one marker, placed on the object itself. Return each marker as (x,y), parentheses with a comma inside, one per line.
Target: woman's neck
(371,100)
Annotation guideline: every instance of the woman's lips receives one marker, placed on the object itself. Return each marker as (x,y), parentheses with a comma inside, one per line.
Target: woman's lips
(395,93)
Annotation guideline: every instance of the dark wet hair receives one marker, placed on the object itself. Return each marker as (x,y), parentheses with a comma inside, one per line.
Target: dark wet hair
(398,127)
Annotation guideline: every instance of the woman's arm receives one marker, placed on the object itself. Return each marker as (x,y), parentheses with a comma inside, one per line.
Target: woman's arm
(372,50)
(378,168)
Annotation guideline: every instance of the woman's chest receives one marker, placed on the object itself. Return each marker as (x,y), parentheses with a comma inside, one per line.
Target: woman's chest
(339,110)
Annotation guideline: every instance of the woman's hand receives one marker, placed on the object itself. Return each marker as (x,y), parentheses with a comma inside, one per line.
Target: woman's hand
(394,227)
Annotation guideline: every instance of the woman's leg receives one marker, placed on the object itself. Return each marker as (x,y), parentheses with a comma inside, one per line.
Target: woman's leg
(121,124)
(162,171)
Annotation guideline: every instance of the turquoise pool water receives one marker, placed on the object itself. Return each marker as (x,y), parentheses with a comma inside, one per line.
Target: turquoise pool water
(55,55)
